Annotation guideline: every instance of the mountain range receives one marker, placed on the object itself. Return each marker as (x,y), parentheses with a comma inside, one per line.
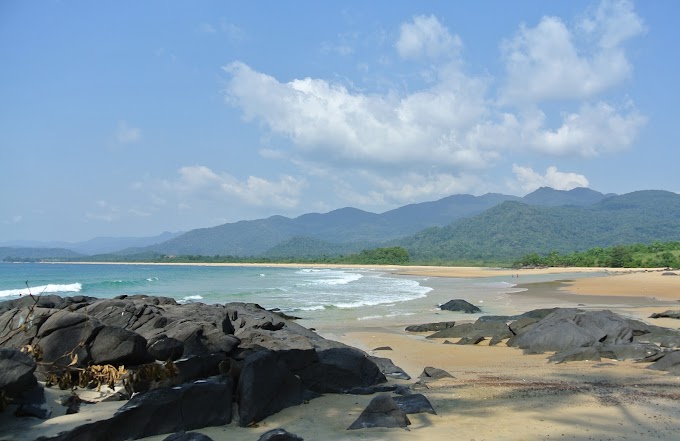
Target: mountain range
(454,228)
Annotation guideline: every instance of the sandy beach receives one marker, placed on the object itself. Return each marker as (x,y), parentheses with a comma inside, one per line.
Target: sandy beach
(497,393)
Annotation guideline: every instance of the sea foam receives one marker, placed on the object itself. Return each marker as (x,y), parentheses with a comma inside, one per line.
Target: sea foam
(36,290)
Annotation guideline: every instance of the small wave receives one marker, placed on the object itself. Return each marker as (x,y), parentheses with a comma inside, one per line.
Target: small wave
(312,308)
(35,290)
(152,279)
(370,317)
(190,299)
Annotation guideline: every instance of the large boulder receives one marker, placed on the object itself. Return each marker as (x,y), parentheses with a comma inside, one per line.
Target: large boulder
(568,329)
(16,372)
(460,305)
(340,369)
(389,369)
(670,362)
(65,336)
(164,410)
(118,346)
(265,387)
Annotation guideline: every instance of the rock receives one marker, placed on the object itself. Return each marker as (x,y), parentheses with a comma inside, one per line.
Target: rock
(470,340)
(414,403)
(670,362)
(265,387)
(460,305)
(118,346)
(536,314)
(430,327)
(383,348)
(522,325)
(675,314)
(474,330)
(16,372)
(432,373)
(340,369)
(32,403)
(166,348)
(199,366)
(163,410)
(495,340)
(279,435)
(389,369)
(65,334)
(578,354)
(632,351)
(382,411)
(187,436)
(567,329)
(669,273)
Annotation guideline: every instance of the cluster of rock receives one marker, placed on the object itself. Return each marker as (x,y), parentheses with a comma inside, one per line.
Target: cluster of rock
(223,354)
(572,334)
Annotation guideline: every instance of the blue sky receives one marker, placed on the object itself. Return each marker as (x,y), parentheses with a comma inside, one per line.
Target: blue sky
(130,118)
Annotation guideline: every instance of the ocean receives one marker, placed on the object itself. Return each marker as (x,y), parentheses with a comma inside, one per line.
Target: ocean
(329,295)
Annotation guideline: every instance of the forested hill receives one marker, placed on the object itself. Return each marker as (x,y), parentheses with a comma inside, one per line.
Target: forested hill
(347,229)
(513,229)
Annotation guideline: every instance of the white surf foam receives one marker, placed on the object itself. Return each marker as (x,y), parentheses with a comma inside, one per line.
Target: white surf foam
(36,290)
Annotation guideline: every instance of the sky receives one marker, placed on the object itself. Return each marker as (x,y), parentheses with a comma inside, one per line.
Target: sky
(130,118)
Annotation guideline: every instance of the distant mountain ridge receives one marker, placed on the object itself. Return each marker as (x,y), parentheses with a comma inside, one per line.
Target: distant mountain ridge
(333,232)
(457,227)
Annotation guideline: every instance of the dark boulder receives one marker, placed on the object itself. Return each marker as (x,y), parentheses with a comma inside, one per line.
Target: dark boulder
(430,327)
(414,403)
(674,314)
(118,346)
(389,369)
(265,387)
(370,390)
(460,305)
(163,410)
(340,369)
(16,372)
(567,329)
(279,435)
(670,362)
(431,373)
(475,330)
(631,351)
(382,411)
(470,340)
(522,325)
(66,335)
(166,348)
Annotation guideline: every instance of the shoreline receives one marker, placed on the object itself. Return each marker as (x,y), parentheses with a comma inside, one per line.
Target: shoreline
(523,396)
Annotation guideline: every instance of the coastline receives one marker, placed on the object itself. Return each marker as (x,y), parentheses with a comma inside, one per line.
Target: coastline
(497,392)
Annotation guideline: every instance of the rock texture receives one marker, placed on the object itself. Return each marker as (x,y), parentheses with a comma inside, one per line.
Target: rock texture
(382,411)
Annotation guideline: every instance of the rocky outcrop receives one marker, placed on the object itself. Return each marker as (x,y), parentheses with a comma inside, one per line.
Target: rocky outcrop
(460,305)
(271,362)
(473,331)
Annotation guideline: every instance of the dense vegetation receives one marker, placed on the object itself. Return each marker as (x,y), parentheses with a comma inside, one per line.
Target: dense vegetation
(655,255)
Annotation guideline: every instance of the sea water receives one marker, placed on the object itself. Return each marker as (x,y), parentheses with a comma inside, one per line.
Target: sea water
(329,295)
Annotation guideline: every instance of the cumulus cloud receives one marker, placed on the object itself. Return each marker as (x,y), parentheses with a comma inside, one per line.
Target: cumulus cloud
(547,62)
(529,180)
(201,180)
(126,134)
(426,37)
(457,124)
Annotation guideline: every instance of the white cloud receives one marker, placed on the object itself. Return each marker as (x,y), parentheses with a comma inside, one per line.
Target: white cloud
(424,37)
(127,134)
(529,180)
(456,125)
(551,61)
(202,181)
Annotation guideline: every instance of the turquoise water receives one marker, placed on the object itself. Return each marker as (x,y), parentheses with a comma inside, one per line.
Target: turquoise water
(327,297)
(291,289)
